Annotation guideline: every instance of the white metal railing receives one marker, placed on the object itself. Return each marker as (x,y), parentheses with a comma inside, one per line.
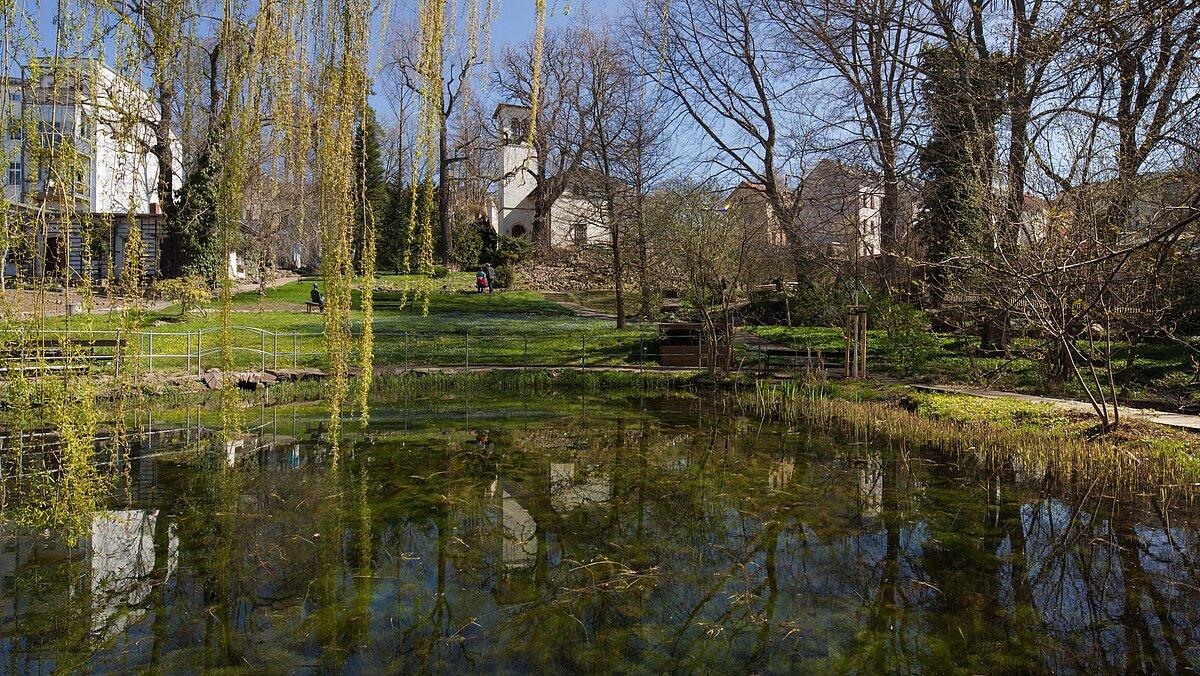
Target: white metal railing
(190,350)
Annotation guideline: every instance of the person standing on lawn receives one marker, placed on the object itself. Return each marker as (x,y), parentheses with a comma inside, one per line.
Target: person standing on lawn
(481,280)
(491,276)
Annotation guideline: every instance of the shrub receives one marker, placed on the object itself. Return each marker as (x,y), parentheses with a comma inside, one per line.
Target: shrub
(512,250)
(190,291)
(468,245)
(506,276)
(908,342)
(440,272)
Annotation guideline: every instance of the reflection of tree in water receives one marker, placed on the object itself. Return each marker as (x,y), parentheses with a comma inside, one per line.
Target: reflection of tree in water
(653,543)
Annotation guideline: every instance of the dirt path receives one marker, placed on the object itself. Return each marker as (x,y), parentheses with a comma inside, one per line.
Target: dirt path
(563,299)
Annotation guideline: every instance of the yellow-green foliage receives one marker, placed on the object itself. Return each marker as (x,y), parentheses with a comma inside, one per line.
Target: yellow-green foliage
(1053,447)
(289,89)
(188,292)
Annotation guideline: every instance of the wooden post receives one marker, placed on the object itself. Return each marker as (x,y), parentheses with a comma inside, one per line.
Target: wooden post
(846,332)
(863,334)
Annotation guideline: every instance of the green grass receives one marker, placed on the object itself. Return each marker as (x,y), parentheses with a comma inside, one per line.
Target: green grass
(461,328)
(1162,371)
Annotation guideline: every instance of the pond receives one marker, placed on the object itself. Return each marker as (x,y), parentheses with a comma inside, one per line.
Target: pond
(621,534)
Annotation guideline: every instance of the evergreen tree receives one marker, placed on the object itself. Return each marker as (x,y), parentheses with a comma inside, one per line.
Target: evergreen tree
(195,224)
(369,181)
(393,227)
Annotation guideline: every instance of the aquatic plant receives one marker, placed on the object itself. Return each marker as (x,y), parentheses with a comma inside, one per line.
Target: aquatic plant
(1058,455)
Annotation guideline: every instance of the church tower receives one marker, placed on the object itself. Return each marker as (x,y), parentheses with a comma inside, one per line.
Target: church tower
(513,214)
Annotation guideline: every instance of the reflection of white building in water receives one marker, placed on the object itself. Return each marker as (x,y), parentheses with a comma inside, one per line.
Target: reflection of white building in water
(870,486)
(781,474)
(518,530)
(118,550)
(569,492)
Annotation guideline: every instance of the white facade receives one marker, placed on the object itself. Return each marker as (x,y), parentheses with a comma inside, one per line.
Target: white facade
(93,111)
(574,220)
(77,147)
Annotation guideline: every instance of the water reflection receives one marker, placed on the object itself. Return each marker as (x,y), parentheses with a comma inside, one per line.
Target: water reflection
(656,537)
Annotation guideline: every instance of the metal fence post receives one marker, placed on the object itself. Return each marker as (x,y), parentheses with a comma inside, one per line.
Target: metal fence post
(187,338)
(199,349)
(263,351)
(294,350)
(274,350)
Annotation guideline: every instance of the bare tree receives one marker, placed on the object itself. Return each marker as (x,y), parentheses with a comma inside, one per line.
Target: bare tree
(566,119)
(718,61)
(864,55)
(452,86)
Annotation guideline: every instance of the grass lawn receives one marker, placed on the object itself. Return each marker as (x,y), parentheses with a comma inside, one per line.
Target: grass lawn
(1161,372)
(461,327)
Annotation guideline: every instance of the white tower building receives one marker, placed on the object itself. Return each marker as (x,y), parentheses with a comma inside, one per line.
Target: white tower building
(512,212)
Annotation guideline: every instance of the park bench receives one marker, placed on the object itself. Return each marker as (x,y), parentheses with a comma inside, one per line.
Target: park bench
(309,305)
(56,353)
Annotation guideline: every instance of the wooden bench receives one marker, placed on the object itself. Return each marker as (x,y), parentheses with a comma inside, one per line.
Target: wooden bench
(309,305)
(56,351)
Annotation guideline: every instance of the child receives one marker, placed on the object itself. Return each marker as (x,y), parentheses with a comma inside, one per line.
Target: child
(481,281)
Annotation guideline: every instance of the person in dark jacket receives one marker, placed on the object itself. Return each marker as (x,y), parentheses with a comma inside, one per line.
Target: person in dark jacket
(491,276)
(315,294)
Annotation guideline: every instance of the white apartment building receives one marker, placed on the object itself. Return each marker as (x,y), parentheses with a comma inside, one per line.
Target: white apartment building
(78,142)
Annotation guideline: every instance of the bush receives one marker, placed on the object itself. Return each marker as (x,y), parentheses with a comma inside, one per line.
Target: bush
(908,343)
(506,276)
(512,250)
(440,272)
(190,291)
(468,245)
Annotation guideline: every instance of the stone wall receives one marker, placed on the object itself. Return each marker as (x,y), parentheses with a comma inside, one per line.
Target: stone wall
(574,269)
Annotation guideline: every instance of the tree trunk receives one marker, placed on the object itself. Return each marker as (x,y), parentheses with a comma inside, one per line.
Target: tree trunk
(889,217)
(447,248)
(643,258)
(170,250)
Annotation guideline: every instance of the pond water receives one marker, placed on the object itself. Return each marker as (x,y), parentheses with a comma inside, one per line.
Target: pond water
(627,534)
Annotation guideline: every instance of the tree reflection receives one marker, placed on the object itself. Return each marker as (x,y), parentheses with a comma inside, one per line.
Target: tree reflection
(607,539)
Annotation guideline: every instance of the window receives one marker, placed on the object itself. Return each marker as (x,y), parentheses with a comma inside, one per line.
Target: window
(15,173)
(14,97)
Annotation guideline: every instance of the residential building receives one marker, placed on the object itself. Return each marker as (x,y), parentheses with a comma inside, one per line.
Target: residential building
(749,200)
(78,142)
(840,211)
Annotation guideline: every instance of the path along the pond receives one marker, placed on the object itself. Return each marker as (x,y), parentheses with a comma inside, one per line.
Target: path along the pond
(1169,419)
